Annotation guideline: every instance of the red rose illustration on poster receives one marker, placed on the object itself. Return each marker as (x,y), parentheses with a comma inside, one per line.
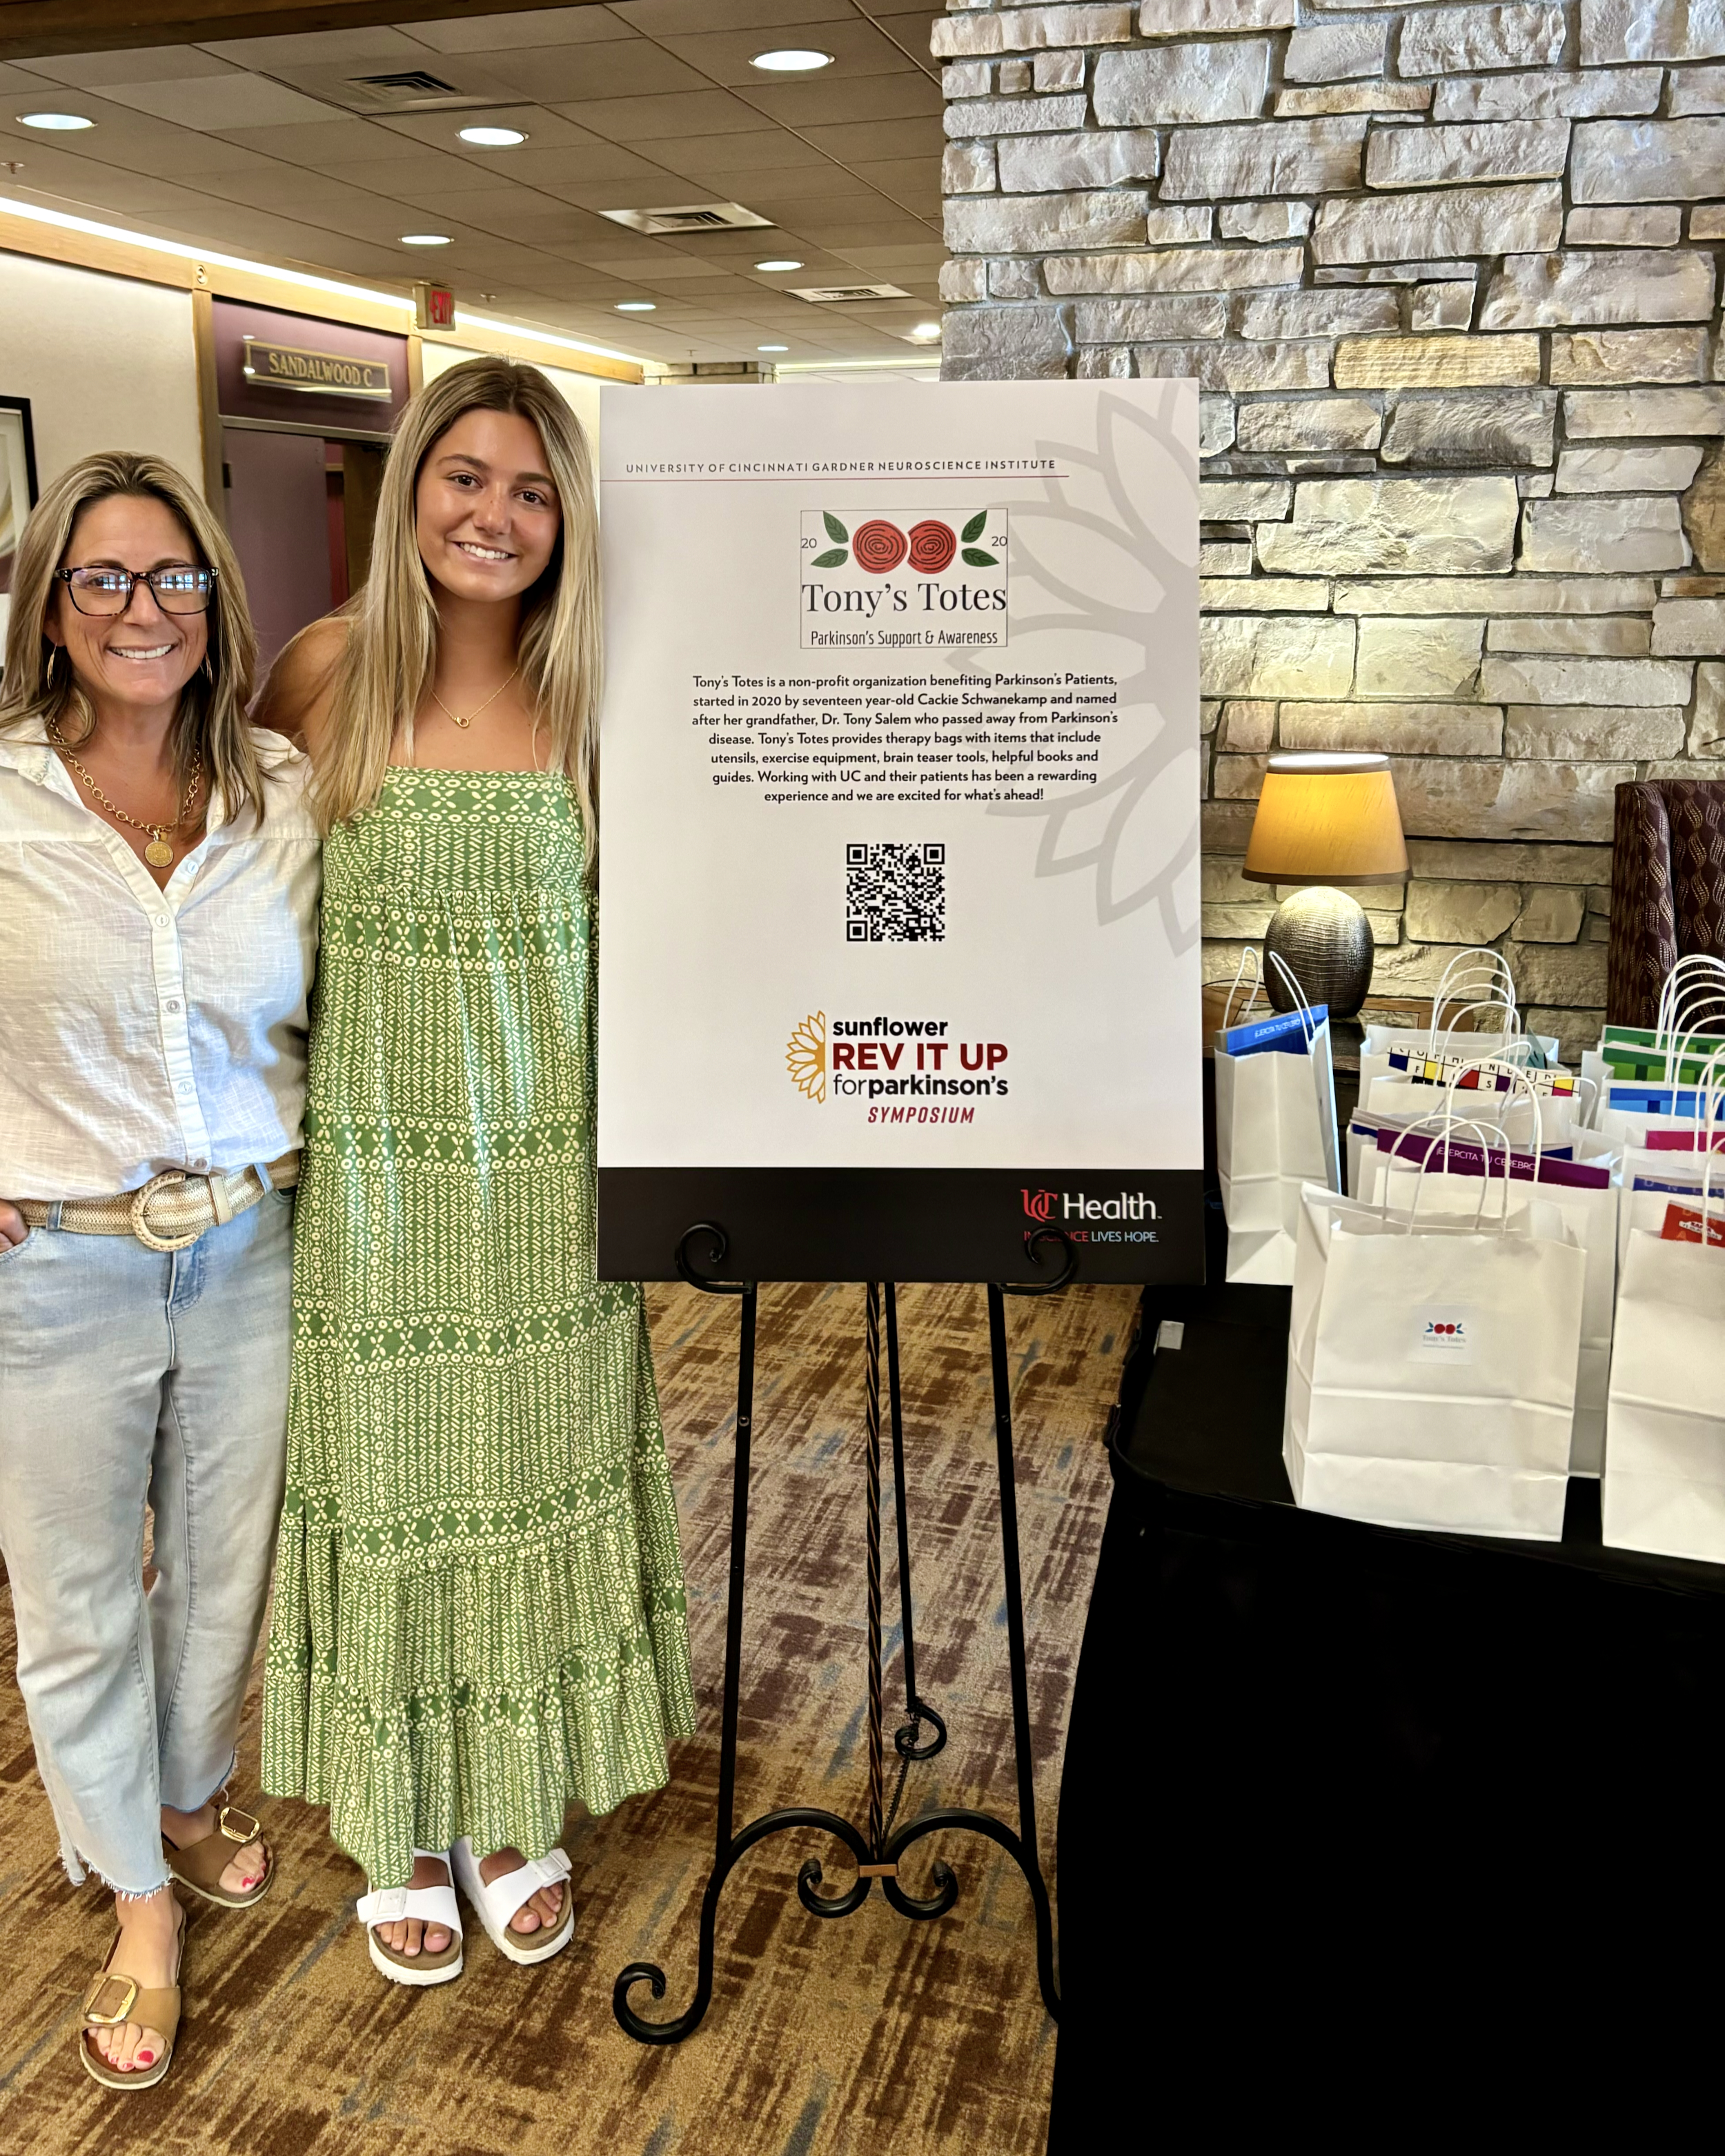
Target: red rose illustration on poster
(878,547)
(932,547)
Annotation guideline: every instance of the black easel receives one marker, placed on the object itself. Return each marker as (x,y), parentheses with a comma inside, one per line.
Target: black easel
(877,1851)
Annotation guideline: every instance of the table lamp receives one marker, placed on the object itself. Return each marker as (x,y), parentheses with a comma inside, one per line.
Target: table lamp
(1321,820)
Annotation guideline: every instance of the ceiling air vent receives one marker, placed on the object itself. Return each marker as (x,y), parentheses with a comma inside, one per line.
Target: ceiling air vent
(848,292)
(688,217)
(401,91)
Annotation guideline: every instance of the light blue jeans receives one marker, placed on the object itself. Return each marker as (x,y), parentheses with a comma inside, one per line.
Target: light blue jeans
(128,1375)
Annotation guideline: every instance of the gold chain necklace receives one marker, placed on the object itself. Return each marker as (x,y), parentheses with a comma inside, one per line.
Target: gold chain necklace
(464,723)
(159,852)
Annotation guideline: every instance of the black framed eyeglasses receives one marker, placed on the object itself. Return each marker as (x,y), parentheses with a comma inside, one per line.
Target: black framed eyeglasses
(109,591)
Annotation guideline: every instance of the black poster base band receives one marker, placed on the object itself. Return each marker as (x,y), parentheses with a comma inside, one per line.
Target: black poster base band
(905,1224)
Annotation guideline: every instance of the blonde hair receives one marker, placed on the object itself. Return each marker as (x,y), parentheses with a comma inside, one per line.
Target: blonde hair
(211,722)
(391,653)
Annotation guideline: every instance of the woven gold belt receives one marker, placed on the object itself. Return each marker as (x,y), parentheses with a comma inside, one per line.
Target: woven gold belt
(172,1210)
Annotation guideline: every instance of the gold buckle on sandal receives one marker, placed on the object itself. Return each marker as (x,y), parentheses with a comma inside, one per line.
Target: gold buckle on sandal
(225,1824)
(139,1223)
(93,2016)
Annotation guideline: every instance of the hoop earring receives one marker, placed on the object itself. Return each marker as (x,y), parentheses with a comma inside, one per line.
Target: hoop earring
(54,653)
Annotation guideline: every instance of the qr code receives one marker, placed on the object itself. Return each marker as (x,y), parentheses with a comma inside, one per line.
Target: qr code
(895,894)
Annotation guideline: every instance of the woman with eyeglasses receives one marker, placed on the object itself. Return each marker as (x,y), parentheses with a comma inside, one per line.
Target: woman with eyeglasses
(158,903)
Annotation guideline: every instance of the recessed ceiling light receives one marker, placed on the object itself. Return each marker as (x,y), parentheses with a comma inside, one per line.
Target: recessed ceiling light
(425,239)
(492,138)
(636,306)
(65,123)
(927,330)
(791,60)
(785,264)
(772,347)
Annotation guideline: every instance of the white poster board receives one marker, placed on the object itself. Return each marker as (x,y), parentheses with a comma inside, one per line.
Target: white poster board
(899,872)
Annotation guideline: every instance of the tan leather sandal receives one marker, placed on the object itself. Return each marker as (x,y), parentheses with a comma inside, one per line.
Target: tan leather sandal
(199,1865)
(110,2001)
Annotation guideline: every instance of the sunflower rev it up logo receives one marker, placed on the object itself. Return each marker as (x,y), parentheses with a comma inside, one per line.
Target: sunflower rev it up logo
(907,1069)
(900,581)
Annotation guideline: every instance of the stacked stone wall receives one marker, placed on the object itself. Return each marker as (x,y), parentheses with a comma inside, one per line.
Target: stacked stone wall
(1447,277)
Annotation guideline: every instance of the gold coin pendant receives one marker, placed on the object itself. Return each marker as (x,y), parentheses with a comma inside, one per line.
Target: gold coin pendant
(158,853)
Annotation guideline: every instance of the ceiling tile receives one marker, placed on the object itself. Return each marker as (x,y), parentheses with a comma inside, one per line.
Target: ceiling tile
(630,68)
(635,119)
(880,139)
(536,26)
(544,129)
(571,164)
(907,95)
(132,140)
(408,171)
(220,101)
(773,151)
(154,63)
(857,49)
(316,48)
(663,18)
(320,142)
(783,185)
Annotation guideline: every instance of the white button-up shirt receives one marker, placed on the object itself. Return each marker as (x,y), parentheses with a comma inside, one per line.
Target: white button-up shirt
(143,1029)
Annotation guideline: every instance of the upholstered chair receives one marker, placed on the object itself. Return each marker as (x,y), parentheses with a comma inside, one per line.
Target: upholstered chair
(1667,888)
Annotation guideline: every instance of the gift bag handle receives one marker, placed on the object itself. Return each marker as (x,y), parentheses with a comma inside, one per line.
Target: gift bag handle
(1688,979)
(1291,981)
(1521,1085)
(1478,972)
(1447,1126)
(1711,1071)
(1250,951)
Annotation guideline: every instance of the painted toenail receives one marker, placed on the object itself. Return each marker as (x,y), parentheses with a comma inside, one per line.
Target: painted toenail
(147,2058)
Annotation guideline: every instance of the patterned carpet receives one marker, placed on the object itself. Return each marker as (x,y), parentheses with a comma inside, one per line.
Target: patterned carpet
(823,2039)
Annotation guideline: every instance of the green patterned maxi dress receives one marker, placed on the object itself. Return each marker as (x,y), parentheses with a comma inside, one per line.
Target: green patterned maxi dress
(479,1594)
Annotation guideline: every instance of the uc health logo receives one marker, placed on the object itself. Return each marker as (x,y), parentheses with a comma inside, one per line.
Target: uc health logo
(1039,1205)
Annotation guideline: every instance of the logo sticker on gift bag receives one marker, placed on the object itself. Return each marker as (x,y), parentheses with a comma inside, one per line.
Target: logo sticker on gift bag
(1443,1332)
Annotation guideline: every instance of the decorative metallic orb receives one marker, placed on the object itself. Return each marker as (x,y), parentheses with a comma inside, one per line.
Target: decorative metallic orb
(1324,939)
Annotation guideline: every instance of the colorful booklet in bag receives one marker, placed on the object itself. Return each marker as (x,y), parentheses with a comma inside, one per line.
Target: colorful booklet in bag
(1630,1052)
(1286,1033)
(1410,1148)
(1683,1225)
(1443,1069)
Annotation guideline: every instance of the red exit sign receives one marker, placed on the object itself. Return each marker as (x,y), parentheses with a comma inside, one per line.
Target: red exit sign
(434,307)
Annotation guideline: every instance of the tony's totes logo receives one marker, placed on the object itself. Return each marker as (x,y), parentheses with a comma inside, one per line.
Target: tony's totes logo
(1444,1333)
(902,1059)
(911,577)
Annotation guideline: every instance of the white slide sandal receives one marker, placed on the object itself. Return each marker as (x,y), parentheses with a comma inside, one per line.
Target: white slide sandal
(429,1905)
(498,1902)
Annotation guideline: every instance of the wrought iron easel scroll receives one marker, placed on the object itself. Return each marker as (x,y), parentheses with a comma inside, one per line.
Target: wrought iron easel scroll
(878,1849)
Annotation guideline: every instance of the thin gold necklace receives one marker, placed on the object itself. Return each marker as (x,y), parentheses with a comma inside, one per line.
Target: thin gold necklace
(455,720)
(159,852)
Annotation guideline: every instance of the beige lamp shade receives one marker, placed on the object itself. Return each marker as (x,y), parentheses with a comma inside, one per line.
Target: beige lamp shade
(1327,819)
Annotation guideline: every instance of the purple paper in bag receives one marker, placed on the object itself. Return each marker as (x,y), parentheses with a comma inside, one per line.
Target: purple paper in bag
(1410,1148)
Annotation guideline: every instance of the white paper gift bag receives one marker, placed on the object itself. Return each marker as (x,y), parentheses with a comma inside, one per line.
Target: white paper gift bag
(1431,1370)
(1583,1194)
(1663,1486)
(1276,1130)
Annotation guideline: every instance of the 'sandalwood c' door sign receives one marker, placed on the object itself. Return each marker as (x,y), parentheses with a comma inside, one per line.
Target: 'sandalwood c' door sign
(272,366)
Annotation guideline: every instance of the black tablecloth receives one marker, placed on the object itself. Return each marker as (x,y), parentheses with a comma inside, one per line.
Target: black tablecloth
(1370,1802)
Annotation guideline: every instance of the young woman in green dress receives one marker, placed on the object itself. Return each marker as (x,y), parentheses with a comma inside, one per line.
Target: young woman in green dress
(479,1594)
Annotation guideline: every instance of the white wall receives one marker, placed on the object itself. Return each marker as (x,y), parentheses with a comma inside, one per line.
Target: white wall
(581,391)
(106,362)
